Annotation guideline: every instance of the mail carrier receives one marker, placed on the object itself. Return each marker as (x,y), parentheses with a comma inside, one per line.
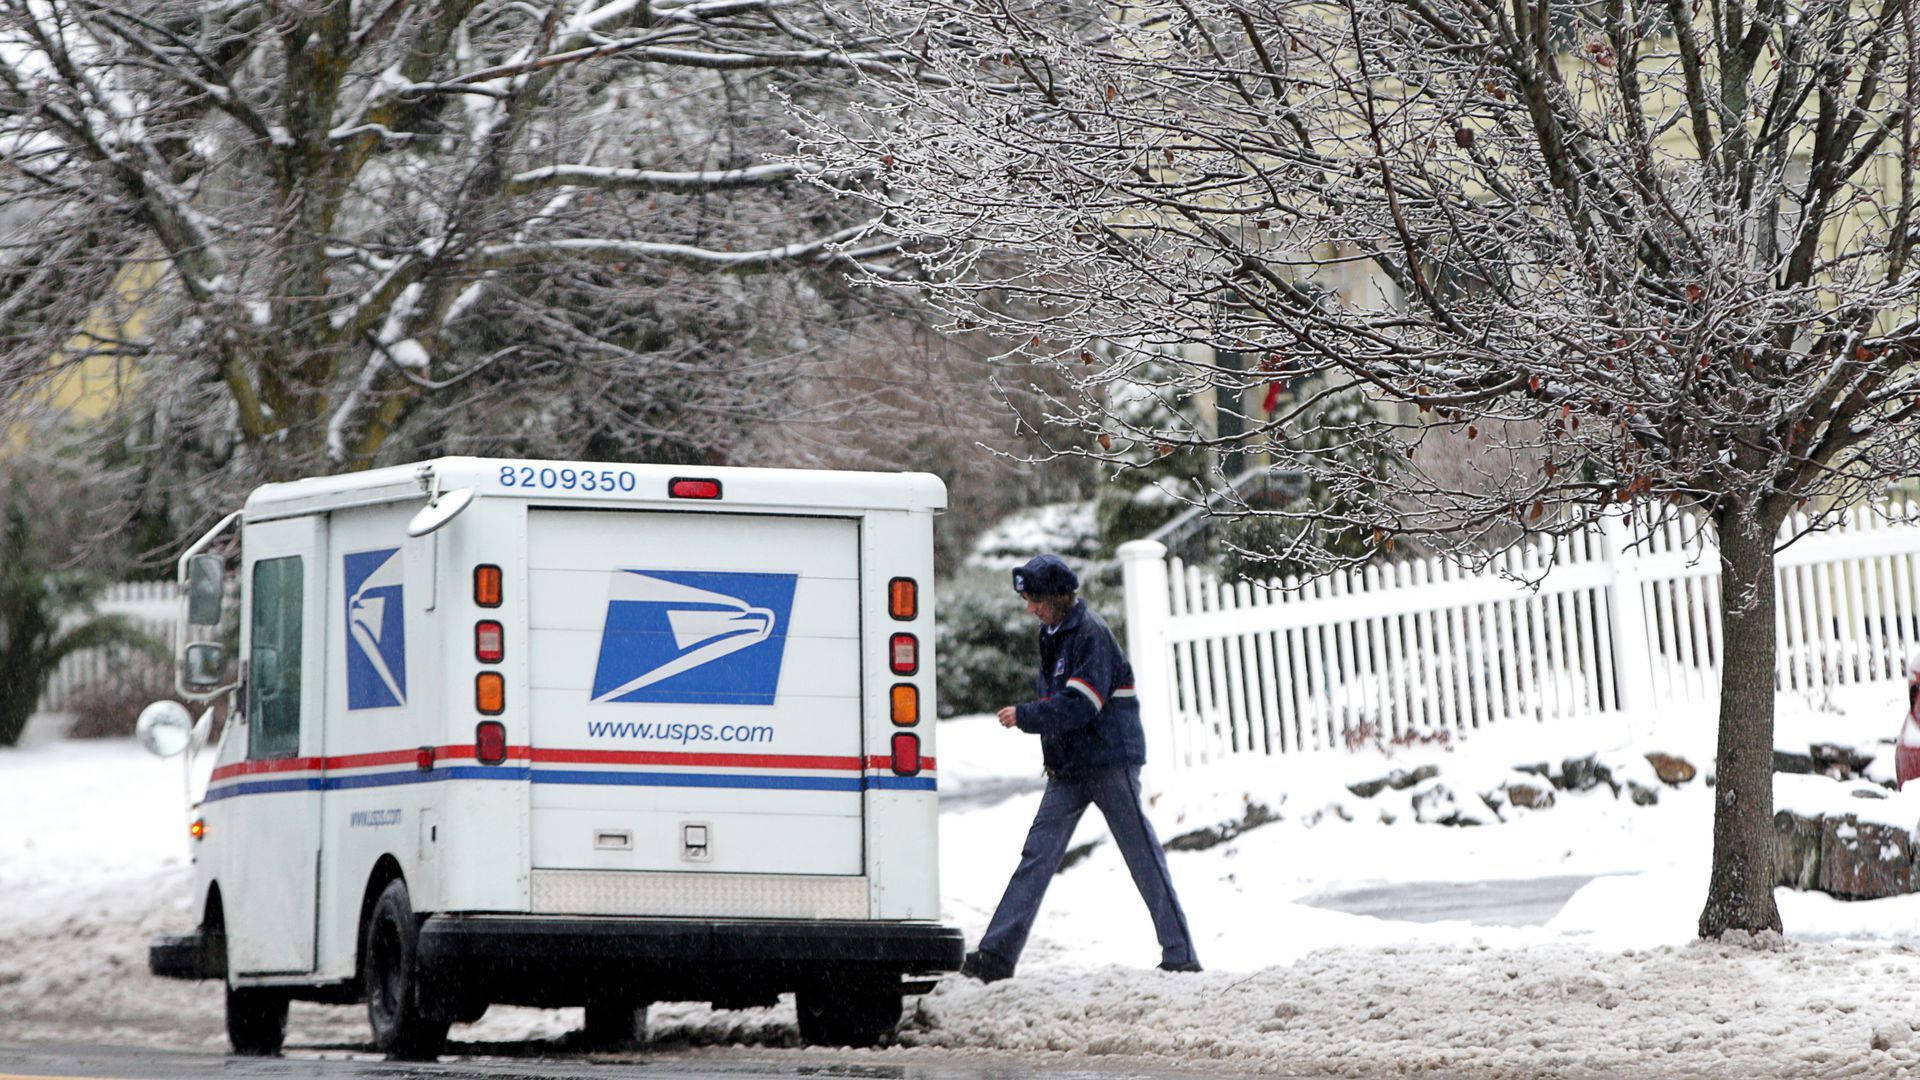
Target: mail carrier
(566,733)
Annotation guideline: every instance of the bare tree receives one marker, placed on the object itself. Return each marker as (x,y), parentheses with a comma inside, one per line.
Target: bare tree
(1653,254)
(315,234)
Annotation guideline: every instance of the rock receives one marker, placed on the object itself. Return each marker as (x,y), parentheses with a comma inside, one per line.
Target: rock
(1473,810)
(1865,860)
(1367,789)
(1529,793)
(1257,814)
(1671,769)
(1580,773)
(1498,802)
(1787,761)
(1537,768)
(1641,794)
(1433,802)
(1838,761)
(1400,779)
(1796,850)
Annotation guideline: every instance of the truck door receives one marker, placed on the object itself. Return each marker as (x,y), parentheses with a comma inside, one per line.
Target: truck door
(273,848)
(695,694)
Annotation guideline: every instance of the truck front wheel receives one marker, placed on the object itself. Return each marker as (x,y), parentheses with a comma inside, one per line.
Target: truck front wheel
(408,1024)
(256,1020)
(847,1013)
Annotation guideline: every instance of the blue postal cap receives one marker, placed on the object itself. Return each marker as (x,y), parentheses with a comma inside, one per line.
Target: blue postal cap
(1044,575)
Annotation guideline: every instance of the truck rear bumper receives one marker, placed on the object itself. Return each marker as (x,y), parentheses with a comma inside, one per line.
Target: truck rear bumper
(557,960)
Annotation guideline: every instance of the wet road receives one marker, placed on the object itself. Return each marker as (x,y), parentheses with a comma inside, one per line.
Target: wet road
(1514,902)
(50,1061)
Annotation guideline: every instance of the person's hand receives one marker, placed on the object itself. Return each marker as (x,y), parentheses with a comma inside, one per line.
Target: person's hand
(1008,717)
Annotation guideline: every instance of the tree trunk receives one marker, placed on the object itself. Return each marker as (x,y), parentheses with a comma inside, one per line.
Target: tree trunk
(1740,895)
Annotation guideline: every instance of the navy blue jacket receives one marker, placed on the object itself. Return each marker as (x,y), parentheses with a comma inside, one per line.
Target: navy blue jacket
(1087,716)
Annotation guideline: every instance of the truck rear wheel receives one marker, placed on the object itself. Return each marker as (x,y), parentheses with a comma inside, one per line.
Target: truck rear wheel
(408,1023)
(847,1013)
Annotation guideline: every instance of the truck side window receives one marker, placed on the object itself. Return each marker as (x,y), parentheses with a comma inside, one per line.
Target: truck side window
(273,693)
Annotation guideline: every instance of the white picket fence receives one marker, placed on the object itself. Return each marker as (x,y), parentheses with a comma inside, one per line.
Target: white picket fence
(1423,650)
(149,605)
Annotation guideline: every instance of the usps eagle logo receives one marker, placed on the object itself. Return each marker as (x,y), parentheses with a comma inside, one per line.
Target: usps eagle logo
(693,637)
(376,629)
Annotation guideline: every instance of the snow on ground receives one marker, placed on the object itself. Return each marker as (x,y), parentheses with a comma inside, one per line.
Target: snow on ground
(93,865)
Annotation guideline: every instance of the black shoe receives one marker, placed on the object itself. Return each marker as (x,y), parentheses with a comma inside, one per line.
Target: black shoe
(985,967)
(1191,965)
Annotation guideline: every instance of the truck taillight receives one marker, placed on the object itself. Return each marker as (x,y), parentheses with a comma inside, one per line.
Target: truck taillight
(903,654)
(490,693)
(903,598)
(486,585)
(906,753)
(490,742)
(685,488)
(489,641)
(906,704)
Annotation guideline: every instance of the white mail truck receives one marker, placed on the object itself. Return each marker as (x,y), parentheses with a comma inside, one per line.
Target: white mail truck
(565,734)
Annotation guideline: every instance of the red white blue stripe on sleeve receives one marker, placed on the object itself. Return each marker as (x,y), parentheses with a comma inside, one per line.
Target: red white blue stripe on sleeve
(1086,688)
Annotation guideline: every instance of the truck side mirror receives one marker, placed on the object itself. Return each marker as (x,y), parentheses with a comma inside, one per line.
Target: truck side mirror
(206,584)
(203,666)
(164,728)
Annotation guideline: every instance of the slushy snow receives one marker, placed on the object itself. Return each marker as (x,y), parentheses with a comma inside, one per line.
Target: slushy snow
(94,864)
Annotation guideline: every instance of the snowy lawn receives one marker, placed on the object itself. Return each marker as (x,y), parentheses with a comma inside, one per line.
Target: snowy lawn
(93,865)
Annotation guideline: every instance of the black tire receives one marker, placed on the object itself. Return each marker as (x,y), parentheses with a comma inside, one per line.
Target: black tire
(614,1024)
(408,1023)
(848,1013)
(256,1020)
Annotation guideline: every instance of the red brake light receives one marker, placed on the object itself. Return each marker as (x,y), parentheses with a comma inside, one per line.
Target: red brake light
(903,654)
(693,489)
(489,641)
(906,753)
(490,742)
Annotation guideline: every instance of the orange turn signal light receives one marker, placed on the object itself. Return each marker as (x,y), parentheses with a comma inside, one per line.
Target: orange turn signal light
(490,693)
(486,585)
(903,598)
(906,704)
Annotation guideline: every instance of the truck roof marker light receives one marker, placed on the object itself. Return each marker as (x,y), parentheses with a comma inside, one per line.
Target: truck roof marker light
(906,753)
(683,487)
(490,693)
(903,598)
(903,654)
(905,704)
(486,585)
(490,742)
(489,641)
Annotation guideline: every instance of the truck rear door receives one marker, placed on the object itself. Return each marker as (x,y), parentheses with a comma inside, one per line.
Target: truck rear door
(694,694)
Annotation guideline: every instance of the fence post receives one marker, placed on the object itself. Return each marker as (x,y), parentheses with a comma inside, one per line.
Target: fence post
(1143,573)
(1626,610)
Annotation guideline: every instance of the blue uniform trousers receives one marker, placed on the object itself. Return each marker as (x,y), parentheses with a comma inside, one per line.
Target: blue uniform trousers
(1116,791)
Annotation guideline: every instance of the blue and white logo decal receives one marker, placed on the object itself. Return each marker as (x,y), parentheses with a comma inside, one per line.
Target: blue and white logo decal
(694,637)
(376,629)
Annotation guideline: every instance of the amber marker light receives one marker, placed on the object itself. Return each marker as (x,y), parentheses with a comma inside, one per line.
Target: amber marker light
(490,693)
(903,598)
(906,704)
(486,585)
(198,830)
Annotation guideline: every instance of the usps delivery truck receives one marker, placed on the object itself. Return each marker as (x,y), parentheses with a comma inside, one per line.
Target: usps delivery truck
(566,734)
